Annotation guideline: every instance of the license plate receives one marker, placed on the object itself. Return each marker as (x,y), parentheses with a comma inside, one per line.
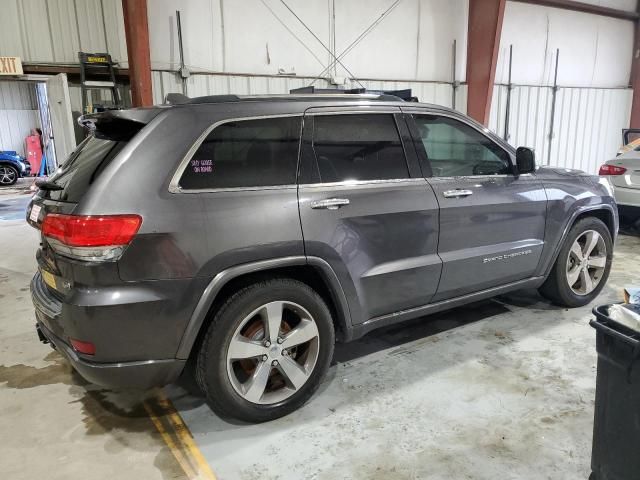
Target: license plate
(35,213)
(49,279)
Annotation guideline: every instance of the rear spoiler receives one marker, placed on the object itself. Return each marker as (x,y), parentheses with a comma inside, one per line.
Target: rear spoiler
(118,124)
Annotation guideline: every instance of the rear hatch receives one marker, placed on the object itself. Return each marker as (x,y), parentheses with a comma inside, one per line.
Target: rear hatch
(63,261)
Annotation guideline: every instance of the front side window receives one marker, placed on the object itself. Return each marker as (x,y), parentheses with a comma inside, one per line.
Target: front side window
(246,153)
(358,147)
(455,149)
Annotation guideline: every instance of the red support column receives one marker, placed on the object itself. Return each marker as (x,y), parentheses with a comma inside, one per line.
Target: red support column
(634,122)
(137,32)
(485,27)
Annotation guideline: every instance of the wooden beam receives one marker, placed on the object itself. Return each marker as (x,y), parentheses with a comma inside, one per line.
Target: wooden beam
(584,8)
(485,28)
(136,29)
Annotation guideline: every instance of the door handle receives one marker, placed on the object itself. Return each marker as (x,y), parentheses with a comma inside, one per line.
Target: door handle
(330,203)
(456,193)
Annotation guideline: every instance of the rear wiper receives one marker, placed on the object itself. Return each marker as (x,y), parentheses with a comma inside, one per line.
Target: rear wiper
(48,185)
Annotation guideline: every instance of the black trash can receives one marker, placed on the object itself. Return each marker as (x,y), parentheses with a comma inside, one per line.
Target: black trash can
(616,426)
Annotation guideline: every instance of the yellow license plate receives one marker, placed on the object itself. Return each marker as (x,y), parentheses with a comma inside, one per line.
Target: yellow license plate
(49,279)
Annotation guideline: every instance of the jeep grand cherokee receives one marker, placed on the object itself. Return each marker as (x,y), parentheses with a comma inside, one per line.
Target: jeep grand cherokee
(247,234)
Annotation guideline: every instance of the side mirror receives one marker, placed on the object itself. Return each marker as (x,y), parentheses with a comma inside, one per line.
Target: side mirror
(525,160)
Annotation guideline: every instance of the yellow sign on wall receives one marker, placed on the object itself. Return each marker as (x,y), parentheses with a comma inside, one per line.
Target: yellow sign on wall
(94,59)
(10,66)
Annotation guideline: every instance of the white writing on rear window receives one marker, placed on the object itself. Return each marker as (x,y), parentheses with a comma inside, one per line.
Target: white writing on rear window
(202,166)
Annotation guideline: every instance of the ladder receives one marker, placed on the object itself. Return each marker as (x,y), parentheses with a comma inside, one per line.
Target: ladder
(97,65)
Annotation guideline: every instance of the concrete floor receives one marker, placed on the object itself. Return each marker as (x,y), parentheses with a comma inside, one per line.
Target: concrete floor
(499,389)
(52,424)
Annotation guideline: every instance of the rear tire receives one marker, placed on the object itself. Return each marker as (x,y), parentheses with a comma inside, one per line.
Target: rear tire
(582,266)
(251,372)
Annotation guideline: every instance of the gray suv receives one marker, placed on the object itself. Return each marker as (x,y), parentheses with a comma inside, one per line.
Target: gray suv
(243,236)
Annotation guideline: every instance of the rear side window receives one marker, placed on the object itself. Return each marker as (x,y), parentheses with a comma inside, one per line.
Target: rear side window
(246,153)
(82,168)
(358,147)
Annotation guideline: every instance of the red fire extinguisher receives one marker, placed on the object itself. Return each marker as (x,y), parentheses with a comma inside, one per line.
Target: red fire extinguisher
(33,149)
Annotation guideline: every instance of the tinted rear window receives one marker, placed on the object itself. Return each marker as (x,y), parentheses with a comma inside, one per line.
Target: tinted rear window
(83,167)
(246,153)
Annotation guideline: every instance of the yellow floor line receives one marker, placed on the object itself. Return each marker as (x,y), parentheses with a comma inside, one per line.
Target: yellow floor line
(170,443)
(179,439)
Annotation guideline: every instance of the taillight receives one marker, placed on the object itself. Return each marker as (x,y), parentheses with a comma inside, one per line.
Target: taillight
(611,170)
(91,237)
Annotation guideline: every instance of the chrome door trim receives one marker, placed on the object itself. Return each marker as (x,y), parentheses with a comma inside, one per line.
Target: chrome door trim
(356,183)
(179,189)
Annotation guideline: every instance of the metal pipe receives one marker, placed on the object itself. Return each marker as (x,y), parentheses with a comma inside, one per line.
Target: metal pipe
(508,105)
(181,51)
(355,42)
(454,83)
(554,93)
(353,77)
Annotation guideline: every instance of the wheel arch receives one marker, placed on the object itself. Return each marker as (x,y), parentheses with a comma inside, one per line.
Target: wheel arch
(604,212)
(6,163)
(312,271)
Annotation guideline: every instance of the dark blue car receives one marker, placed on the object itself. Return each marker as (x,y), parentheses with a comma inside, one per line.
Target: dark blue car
(12,167)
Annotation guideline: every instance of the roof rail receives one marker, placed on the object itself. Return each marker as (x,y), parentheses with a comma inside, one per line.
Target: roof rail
(180,99)
(383,95)
(297,94)
(215,99)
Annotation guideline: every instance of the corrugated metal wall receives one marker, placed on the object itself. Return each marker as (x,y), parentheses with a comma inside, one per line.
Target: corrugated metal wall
(216,84)
(587,126)
(18,114)
(55,30)
(588,120)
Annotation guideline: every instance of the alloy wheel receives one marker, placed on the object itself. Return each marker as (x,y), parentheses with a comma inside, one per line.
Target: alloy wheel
(586,262)
(273,352)
(7,175)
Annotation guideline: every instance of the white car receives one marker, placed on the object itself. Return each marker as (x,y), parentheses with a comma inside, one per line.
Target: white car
(623,174)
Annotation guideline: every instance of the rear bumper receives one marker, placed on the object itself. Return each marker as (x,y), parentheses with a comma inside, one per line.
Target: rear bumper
(628,212)
(626,196)
(57,321)
(139,375)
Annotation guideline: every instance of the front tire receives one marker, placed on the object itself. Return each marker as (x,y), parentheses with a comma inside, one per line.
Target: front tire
(266,351)
(583,265)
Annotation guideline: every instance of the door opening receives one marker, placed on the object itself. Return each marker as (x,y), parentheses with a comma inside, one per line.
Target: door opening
(36,121)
